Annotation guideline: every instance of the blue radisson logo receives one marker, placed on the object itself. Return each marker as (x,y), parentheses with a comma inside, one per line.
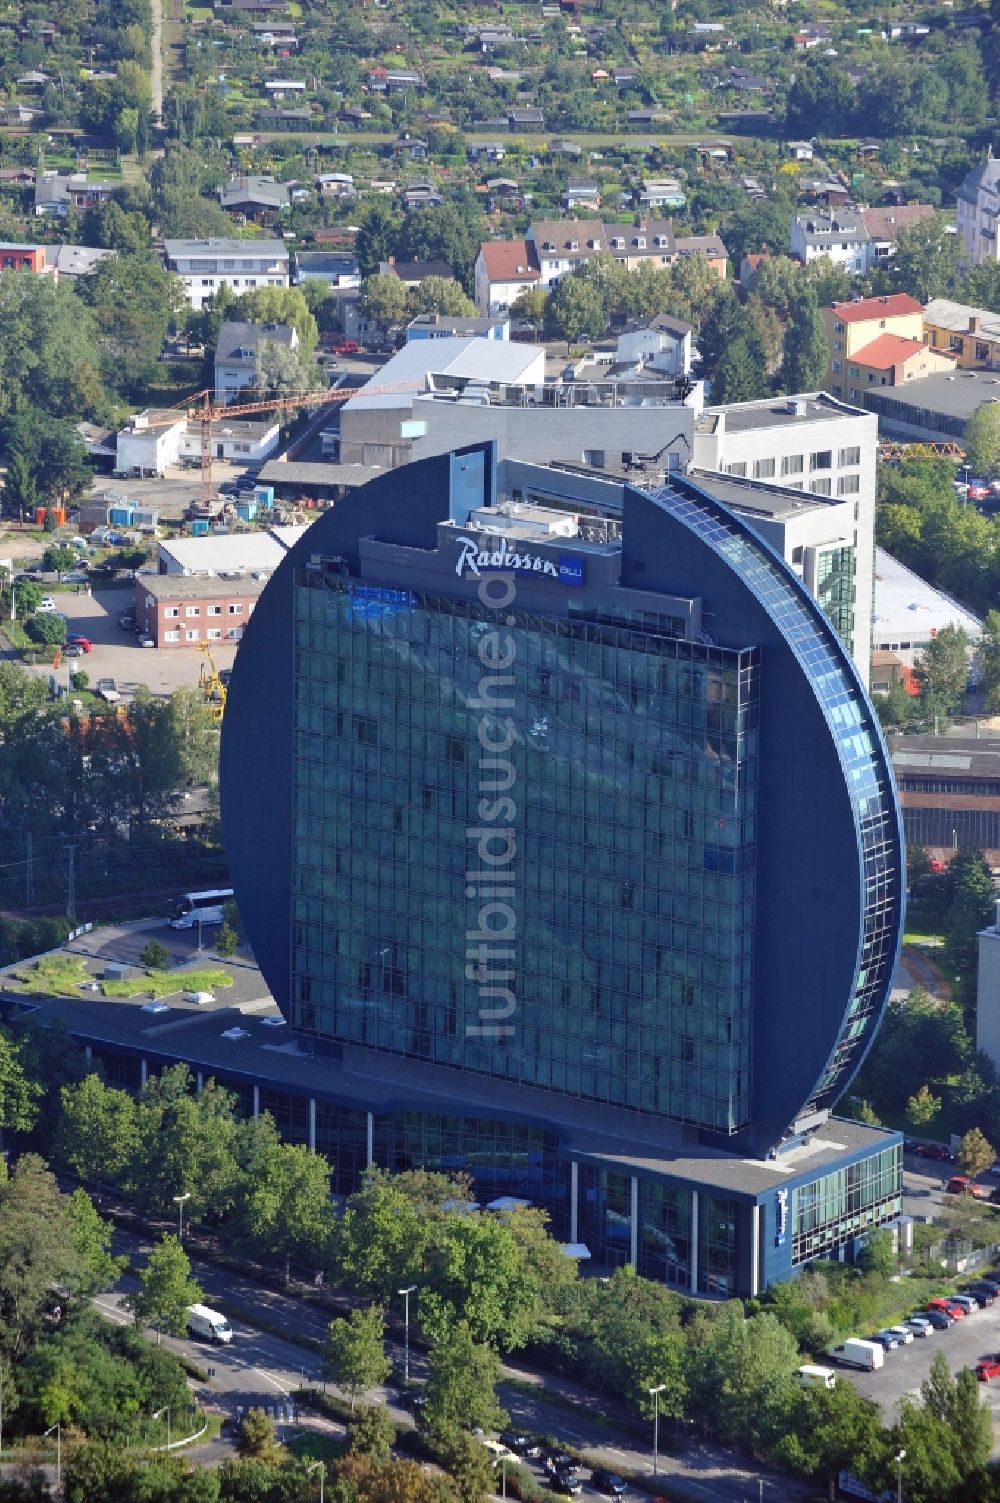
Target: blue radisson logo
(570,569)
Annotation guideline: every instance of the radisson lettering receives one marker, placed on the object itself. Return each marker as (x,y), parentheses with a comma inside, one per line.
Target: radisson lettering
(472,558)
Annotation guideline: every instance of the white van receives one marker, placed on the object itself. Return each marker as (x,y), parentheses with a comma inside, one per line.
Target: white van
(208,1325)
(822,1377)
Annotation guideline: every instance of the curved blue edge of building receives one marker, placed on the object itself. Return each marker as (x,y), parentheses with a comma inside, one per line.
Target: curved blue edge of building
(558,816)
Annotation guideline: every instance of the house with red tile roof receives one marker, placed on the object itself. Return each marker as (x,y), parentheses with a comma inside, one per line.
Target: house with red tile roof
(889,360)
(850,326)
(503,269)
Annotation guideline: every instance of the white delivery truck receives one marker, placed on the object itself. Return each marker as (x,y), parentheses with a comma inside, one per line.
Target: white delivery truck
(208,1325)
(868,1355)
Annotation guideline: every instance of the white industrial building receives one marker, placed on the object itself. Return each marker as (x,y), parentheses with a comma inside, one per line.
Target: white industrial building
(909,612)
(159,438)
(228,553)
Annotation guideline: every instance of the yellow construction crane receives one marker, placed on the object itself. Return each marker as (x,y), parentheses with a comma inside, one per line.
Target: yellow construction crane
(892,451)
(211,684)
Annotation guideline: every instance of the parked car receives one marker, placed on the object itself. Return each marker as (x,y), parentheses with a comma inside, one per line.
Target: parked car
(36,576)
(46,606)
(987,1370)
(126,621)
(608,1482)
(145,640)
(72,650)
(941,1303)
(940,1320)
(961,1184)
(903,1332)
(560,1461)
(983,1295)
(519,1443)
(77,639)
(933,1151)
(887,1340)
(920,1325)
(965,1302)
(567,1483)
(107,690)
(345,347)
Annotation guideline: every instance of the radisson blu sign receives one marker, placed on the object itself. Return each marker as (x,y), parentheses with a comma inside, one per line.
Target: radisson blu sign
(474,557)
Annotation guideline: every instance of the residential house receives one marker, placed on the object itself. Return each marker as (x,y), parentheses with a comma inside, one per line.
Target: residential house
(18,114)
(335,185)
(840,236)
(206,265)
(709,246)
(750,263)
(298,118)
(800,151)
(493,151)
(275,33)
(236,354)
(853,325)
(971,336)
(562,245)
(889,360)
(821,190)
(561,146)
(34,81)
(577,195)
(662,345)
(660,193)
(335,268)
(979,213)
(16,257)
(525,119)
(625,79)
(284,88)
(51,260)
(56,194)
(257,198)
(251,7)
(884,224)
(504,268)
(421,194)
(412,148)
(354,115)
(644,118)
(412,273)
(17,177)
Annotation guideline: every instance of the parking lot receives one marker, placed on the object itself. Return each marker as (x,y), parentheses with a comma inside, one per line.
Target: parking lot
(117,653)
(964,1344)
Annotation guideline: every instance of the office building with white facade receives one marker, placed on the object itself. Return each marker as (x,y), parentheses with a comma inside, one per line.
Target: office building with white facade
(206,265)
(811,443)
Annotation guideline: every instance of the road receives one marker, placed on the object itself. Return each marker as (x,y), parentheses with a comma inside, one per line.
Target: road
(156,67)
(263,1369)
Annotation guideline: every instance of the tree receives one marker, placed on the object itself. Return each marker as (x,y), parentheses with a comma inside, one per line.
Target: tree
(58,557)
(135,301)
(529,306)
(975,1154)
(284,1206)
(383,299)
(97,1134)
(460,1392)
(443,233)
(821,100)
(878,1254)
(973,906)
(257,1437)
(922,1107)
(943,671)
(989,659)
(49,352)
(20,489)
(155,955)
(741,375)
(806,354)
(18,1094)
(470,1466)
(379,1241)
(373,1433)
(740,1371)
(37,1250)
(378,235)
(926,259)
(166,1289)
(47,631)
(186,1144)
(982,439)
(354,1352)
(226,942)
(98,1268)
(441,295)
(574,308)
(477,1275)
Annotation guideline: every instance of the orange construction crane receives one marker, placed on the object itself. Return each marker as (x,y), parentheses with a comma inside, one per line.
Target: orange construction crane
(203,409)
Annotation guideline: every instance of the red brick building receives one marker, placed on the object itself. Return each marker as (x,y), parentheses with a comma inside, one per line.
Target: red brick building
(194,610)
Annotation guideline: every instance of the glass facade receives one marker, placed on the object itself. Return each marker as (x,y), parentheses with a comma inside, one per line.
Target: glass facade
(835,589)
(632,783)
(846,1204)
(862,756)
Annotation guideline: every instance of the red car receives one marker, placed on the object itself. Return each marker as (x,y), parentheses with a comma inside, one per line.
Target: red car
(933,1151)
(76,640)
(345,347)
(988,1369)
(956,1312)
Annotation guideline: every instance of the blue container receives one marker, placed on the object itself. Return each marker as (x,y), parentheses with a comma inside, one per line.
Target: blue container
(264,495)
(121,516)
(199,529)
(246,510)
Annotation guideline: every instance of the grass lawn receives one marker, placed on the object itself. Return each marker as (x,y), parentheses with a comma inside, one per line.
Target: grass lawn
(915,937)
(316,1447)
(55,976)
(163,983)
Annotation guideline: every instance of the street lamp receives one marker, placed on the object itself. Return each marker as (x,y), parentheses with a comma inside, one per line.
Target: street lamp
(321,1467)
(179,1203)
(655,1395)
(165,1410)
(503,1477)
(899,1476)
(57,1427)
(406,1328)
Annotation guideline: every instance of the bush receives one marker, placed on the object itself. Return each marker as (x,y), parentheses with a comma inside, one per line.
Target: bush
(155,956)
(225,941)
(48,631)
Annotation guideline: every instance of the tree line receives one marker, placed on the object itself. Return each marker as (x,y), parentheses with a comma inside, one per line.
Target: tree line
(484,1284)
